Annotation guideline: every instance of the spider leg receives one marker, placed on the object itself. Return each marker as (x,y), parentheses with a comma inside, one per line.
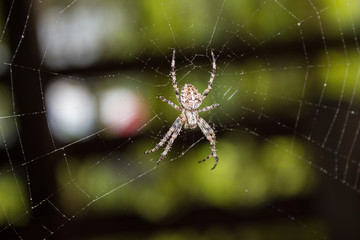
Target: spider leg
(170,103)
(173,77)
(212,76)
(172,139)
(210,155)
(209,107)
(167,135)
(210,135)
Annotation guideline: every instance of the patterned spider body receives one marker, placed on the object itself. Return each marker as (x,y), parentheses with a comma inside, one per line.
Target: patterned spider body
(190,100)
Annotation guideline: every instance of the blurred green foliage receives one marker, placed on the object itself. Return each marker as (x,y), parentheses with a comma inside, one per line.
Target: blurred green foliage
(245,177)
(342,76)
(13,200)
(8,133)
(249,232)
(154,25)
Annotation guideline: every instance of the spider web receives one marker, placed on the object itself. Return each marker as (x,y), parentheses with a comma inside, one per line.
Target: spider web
(287,127)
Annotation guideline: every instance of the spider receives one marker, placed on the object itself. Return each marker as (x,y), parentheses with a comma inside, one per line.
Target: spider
(189,99)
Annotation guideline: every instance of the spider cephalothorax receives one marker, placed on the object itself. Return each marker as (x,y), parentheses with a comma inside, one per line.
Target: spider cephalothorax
(190,99)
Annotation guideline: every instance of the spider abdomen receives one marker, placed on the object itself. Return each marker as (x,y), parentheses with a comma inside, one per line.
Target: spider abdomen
(190,97)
